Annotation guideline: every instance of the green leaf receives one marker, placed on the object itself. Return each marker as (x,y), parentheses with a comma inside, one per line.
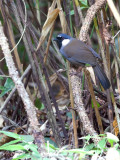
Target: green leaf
(91,34)
(86,137)
(22,156)
(11,142)
(89,147)
(116,146)
(78,151)
(87,65)
(52,144)
(36,155)
(102,143)
(15,147)
(72,12)
(2,88)
(1,78)
(84,2)
(112,138)
(84,7)
(33,147)
(69,114)
(11,134)
(70,155)
(38,104)
(27,138)
(4,91)
(1,136)
(9,85)
(98,105)
(102,135)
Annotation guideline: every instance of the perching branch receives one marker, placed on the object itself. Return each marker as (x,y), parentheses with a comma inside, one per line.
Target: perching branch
(76,84)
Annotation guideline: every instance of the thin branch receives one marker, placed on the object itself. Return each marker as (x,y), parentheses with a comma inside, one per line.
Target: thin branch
(89,18)
(99,121)
(114,11)
(29,107)
(77,94)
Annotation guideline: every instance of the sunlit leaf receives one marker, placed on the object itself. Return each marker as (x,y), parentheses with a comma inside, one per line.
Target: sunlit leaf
(12,147)
(11,134)
(22,156)
(101,144)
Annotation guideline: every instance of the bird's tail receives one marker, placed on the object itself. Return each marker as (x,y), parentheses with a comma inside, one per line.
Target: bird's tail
(101,76)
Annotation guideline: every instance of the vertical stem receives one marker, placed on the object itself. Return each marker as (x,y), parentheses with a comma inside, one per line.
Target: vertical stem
(73,112)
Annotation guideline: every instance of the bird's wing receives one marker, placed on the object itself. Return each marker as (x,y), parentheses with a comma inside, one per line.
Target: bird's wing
(78,52)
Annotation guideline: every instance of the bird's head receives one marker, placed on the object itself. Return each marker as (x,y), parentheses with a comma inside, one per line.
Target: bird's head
(62,40)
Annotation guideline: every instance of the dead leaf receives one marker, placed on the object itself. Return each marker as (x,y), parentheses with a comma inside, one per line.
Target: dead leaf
(90,69)
(1,121)
(115,125)
(62,18)
(51,17)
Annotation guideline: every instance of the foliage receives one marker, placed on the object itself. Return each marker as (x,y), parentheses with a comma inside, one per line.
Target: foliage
(8,86)
(24,144)
(45,21)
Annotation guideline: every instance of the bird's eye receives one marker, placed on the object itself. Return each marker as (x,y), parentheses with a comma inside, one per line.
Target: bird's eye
(60,38)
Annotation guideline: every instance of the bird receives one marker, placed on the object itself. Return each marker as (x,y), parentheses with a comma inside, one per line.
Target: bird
(80,54)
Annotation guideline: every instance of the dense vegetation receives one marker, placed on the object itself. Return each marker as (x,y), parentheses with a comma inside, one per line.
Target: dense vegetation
(49,108)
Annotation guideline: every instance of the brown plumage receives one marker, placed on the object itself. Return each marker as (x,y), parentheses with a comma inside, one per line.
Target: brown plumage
(78,53)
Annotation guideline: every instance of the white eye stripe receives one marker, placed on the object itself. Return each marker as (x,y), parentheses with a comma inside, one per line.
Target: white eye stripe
(65,42)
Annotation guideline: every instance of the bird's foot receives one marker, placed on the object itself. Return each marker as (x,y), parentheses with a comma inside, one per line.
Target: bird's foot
(73,73)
